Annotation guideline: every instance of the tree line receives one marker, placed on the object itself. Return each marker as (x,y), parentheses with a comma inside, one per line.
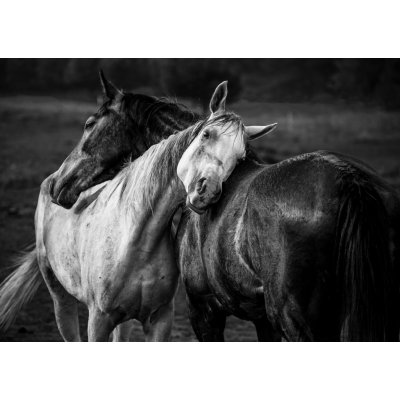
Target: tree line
(374,81)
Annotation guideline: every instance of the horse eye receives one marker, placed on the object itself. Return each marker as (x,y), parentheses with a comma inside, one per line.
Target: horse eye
(206,134)
(89,124)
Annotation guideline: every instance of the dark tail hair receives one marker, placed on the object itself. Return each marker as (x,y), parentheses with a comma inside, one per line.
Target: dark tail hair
(364,267)
(18,288)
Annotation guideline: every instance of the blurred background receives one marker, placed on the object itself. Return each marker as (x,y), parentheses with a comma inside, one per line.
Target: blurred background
(347,105)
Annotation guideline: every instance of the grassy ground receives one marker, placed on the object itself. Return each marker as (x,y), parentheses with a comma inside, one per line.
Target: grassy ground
(37,133)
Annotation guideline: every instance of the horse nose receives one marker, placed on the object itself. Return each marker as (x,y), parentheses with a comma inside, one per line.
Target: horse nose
(201,186)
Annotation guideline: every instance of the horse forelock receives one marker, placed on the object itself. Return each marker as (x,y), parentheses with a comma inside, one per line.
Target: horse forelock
(227,119)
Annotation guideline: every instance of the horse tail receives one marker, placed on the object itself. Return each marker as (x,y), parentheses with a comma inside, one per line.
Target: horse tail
(18,288)
(364,268)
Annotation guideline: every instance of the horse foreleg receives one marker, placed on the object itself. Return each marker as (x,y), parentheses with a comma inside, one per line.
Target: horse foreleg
(65,305)
(207,321)
(122,332)
(100,325)
(265,331)
(158,327)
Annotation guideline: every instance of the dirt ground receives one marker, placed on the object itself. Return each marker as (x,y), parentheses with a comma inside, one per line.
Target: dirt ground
(37,133)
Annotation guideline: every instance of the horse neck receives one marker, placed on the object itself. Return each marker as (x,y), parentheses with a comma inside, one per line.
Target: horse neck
(155,222)
(154,192)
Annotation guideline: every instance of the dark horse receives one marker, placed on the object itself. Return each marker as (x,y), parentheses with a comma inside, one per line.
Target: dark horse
(308,248)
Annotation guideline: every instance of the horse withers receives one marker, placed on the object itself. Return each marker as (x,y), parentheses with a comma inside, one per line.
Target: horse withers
(307,249)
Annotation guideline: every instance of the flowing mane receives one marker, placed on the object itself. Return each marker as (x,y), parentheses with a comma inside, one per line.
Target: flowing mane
(144,177)
(143,107)
(159,113)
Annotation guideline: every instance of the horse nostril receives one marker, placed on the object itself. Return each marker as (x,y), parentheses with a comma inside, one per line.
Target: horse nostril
(201,186)
(217,196)
(51,187)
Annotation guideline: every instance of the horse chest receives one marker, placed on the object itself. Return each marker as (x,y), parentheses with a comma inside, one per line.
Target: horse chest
(59,243)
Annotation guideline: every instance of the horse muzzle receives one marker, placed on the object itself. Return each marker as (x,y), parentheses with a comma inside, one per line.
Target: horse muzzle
(64,189)
(63,196)
(204,193)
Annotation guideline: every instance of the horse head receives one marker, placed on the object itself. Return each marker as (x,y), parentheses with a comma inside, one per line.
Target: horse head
(212,156)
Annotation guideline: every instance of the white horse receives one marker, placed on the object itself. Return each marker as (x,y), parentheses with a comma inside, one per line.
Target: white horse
(112,250)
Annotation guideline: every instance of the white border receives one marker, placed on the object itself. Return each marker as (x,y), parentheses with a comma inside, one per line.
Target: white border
(207,28)
(200,371)
(199,29)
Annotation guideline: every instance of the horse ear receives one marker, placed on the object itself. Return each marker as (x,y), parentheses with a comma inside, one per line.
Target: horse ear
(109,90)
(218,99)
(255,132)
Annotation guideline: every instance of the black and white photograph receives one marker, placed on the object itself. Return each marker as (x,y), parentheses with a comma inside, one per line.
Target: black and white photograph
(199,200)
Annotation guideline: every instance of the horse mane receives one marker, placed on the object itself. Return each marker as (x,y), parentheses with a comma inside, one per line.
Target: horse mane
(156,104)
(130,100)
(156,114)
(146,176)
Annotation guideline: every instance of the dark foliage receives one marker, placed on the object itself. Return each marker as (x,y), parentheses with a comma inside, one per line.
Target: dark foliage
(369,80)
(374,81)
(198,78)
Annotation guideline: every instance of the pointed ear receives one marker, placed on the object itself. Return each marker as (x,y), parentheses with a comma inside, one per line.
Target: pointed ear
(218,99)
(109,90)
(255,132)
